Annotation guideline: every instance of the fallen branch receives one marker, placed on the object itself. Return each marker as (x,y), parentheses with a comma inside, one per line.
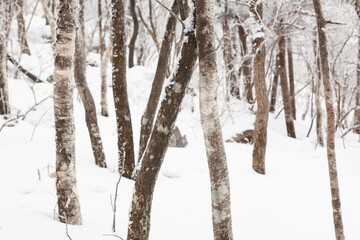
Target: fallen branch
(23,70)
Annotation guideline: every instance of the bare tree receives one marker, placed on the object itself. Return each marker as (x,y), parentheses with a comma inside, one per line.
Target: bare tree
(357,98)
(215,151)
(274,86)
(135,33)
(123,116)
(84,92)
(103,72)
(68,202)
(285,89)
(147,120)
(291,78)
(150,164)
(330,141)
(262,114)
(24,46)
(50,19)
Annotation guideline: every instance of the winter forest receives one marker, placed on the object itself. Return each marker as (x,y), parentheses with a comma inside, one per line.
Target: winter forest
(180,119)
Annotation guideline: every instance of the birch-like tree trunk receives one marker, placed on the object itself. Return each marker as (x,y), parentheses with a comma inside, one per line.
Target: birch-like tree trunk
(135,33)
(150,164)
(330,141)
(147,120)
(274,85)
(122,110)
(285,89)
(85,94)
(262,114)
(215,151)
(103,72)
(291,79)
(24,46)
(68,202)
(5,21)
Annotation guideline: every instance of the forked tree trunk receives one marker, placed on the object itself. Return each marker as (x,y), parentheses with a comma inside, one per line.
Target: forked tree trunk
(103,72)
(147,119)
(123,116)
(24,46)
(285,90)
(68,202)
(291,79)
(4,26)
(246,70)
(85,94)
(262,114)
(134,35)
(330,141)
(274,85)
(215,151)
(319,112)
(150,164)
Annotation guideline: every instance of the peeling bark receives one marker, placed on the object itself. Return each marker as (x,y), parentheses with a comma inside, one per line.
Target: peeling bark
(68,202)
(285,89)
(85,94)
(215,150)
(262,114)
(147,119)
(122,110)
(150,164)
(330,141)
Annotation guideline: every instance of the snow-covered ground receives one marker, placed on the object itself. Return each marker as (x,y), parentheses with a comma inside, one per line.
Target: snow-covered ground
(292,201)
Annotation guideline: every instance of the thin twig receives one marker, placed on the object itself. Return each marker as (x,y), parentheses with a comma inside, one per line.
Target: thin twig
(172,13)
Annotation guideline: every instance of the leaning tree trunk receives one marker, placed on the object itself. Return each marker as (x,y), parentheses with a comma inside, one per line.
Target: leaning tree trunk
(215,151)
(330,141)
(274,85)
(246,71)
(123,116)
(103,72)
(262,114)
(5,26)
(319,112)
(147,119)
(24,46)
(134,35)
(150,164)
(291,79)
(85,94)
(68,202)
(285,90)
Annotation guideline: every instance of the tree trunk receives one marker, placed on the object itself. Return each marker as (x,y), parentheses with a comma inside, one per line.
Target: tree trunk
(357,99)
(147,119)
(291,79)
(104,62)
(262,114)
(101,40)
(134,35)
(24,46)
(274,85)
(150,164)
(285,90)
(5,25)
(215,151)
(85,94)
(123,116)
(68,202)
(246,65)
(319,135)
(330,141)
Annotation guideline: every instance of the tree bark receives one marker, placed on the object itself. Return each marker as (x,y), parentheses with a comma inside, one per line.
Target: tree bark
(330,141)
(85,94)
(150,164)
(274,85)
(24,46)
(104,62)
(215,151)
(357,98)
(147,119)
(134,35)
(68,202)
(291,79)
(122,110)
(285,90)
(262,114)
(5,6)
(246,70)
